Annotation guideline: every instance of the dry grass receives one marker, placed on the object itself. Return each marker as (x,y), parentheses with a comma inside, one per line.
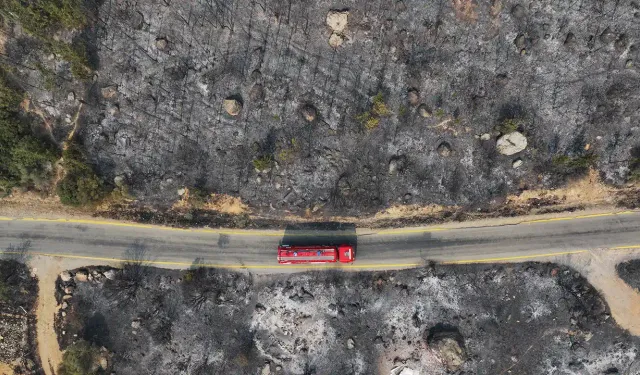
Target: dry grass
(222,203)
(226,204)
(465,10)
(589,190)
(3,40)
(407,211)
(21,204)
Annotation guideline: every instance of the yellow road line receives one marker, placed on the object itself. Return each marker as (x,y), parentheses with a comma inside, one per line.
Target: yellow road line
(213,265)
(625,247)
(280,233)
(491,260)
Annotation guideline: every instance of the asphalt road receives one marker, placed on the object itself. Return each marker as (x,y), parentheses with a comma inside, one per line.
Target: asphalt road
(112,242)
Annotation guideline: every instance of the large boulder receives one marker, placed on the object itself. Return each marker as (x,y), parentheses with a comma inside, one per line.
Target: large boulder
(337,20)
(232,106)
(449,344)
(511,143)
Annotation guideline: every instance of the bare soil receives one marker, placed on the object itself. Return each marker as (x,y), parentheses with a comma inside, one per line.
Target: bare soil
(527,318)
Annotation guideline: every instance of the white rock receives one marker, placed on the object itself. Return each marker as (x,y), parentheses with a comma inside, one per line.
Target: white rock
(517,163)
(232,106)
(351,343)
(337,19)
(65,276)
(335,40)
(266,370)
(485,137)
(81,276)
(511,143)
(181,191)
(110,274)
(135,324)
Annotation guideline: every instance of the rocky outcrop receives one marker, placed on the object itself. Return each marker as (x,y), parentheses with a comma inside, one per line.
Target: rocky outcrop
(511,143)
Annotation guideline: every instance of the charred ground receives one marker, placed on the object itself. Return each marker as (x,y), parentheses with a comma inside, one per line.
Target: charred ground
(530,319)
(406,109)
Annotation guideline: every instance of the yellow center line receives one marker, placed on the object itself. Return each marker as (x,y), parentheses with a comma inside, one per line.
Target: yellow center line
(625,247)
(280,233)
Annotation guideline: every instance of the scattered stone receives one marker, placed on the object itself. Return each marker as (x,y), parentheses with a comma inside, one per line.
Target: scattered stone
(257,92)
(266,370)
(135,324)
(518,12)
(162,43)
(336,40)
(308,112)
(413,96)
(256,75)
(351,343)
(65,276)
(397,164)
(232,106)
(109,92)
(449,344)
(71,96)
(485,137)
(628,64)
(69,289)
(104,362)
(63,314)
(607,36)
(517,163)
(511,143)
(444,149)
(110,274)
(67,297)
(81,276)
(119,181)
(64,305)
(182,191)
(337,20)
(424,111)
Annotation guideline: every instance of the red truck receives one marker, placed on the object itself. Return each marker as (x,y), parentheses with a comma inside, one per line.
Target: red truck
(315,254)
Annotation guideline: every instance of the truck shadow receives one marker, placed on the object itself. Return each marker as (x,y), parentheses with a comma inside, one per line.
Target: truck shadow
(320,233)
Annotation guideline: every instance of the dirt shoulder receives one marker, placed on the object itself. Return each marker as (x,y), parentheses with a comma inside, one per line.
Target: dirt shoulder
(587,195)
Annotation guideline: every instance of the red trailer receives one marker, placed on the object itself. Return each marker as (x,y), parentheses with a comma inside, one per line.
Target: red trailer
(315,254)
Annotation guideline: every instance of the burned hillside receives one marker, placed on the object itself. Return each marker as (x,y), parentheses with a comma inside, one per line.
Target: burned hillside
(528,319)
(350,106)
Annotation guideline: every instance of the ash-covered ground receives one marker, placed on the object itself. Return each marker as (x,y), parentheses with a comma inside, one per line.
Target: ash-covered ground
(484,319)
(630,272)
(564,74)
(18,295)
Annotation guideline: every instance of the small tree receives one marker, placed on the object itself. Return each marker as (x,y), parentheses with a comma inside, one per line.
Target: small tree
(79,359)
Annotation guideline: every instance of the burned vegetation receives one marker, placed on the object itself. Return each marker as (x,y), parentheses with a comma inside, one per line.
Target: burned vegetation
(529,319)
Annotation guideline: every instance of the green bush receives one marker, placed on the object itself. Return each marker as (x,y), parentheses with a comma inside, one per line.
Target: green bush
(263,162)
(80,185)
(79,359)
(634,173)
(508,126)
(25,160)
(44,17)
(371,119)
(568,165)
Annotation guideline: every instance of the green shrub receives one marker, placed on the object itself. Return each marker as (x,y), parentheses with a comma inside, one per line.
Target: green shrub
(263,162)
(44,17)
(568,165)
(80,185)
(634,173)
(79,359)
(508,126)
(371,119)
(25,160)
